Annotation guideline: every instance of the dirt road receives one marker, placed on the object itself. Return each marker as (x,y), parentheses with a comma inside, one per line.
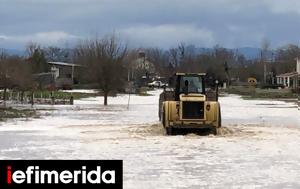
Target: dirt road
(259,146)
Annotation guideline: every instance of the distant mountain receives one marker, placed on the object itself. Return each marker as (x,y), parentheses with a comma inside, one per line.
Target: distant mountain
(14,52)
(249,52)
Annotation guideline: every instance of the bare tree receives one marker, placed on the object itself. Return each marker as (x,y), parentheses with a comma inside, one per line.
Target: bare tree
(103,59)
(58,54)
(31,48)
(4,76)
(23,78)
(130,63)
(14,74)
(36,58)
(159,58)
(181,50)
(174,57)
(265,45)
(285,58)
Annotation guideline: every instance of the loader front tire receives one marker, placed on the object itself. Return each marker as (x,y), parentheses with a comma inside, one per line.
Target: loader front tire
(220,118)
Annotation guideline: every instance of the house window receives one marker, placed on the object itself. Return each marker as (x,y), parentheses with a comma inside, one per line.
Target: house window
(69,75)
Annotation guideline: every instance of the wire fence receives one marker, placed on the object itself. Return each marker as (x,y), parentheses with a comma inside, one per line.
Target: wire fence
(16,97)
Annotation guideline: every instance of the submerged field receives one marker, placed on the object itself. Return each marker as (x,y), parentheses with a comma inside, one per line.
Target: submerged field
(258,146)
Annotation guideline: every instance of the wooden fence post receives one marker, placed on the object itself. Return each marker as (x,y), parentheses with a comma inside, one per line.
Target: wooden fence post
(71,100)
(32,98)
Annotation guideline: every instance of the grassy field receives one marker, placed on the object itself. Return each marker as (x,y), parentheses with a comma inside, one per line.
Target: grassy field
(8,113)
(48,94)
(251,92)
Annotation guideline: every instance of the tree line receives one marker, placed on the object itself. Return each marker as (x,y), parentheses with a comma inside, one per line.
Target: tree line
(107,61)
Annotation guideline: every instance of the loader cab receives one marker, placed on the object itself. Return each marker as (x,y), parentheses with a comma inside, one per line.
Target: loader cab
(189,84)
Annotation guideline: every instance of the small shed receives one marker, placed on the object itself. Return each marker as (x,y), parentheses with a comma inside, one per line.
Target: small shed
(62,75)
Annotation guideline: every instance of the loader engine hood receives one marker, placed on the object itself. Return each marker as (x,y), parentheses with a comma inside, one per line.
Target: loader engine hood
(192,97)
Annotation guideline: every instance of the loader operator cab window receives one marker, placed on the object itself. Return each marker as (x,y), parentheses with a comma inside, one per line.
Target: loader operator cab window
(191,84)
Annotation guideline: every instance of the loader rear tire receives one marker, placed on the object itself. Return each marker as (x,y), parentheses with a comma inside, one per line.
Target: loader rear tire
(169,130)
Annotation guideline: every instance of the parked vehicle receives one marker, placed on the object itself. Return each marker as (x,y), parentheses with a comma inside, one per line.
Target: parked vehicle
(157,84)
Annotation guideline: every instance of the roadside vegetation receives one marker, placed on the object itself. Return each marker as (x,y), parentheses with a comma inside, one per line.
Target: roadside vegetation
(9,113)
(257,93)
(109,65)
(15,95)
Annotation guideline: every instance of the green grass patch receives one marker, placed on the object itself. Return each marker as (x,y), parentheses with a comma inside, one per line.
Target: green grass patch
(10,113)
(256,93)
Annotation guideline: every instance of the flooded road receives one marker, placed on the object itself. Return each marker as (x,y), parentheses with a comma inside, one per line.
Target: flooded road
(258,148)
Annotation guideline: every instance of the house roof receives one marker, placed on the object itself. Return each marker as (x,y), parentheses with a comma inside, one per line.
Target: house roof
(290,74)
(63,64)
(43,74)
(179,73)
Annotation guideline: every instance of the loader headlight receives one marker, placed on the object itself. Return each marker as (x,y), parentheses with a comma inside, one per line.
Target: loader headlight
(208,107)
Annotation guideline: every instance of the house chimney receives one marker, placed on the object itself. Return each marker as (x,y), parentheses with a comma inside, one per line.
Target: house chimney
(298,65)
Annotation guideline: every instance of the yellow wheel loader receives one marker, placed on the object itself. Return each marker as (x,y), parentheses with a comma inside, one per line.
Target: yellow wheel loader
(187,106)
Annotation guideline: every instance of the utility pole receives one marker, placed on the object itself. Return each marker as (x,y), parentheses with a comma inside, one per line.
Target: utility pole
(298,81)
(262,60)
(265,72)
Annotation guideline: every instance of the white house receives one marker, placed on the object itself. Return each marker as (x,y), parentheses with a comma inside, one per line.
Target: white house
(292,79)
(140,67)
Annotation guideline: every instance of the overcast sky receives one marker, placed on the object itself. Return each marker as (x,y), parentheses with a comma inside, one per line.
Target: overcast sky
(158,23)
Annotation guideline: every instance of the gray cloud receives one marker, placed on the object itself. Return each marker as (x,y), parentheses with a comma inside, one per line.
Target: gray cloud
(168,35)
(51,38)
(230,23)
(42,37)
